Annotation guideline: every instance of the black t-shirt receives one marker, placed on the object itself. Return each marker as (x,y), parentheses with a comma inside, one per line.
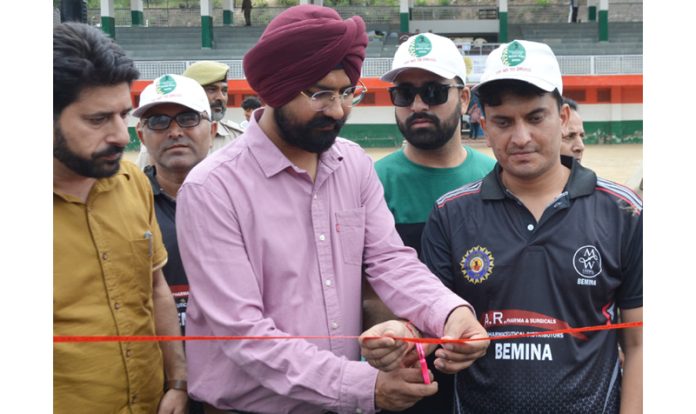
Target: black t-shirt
(165,209)
(573,268)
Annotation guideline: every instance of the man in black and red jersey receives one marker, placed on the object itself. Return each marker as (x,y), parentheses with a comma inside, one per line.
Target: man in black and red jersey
(540,244)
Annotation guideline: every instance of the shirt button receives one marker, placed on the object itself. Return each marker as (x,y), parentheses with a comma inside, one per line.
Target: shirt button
(117,306)
(358,411)
(328,283)
(322,237)
(105,256)
(128,353)
(315,196)
(530,227)
(134,398)
(334,325)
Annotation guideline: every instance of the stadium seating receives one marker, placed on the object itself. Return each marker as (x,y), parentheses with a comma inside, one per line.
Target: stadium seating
(184,43)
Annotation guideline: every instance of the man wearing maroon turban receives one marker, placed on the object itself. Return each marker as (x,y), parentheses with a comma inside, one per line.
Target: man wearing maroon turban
(275,230)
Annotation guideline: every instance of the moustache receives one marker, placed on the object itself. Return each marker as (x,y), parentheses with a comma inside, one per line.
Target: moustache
(185,141)
(110,150)
(422,115)
(217,105)
(325,121)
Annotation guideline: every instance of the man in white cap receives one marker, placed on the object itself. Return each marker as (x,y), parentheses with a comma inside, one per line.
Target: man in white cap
(541,244)
(430,96)
(212,76)
(176,129)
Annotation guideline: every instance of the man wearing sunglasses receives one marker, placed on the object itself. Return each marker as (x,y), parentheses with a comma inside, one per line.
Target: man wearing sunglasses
(540,245)
(275,230)
(430,96)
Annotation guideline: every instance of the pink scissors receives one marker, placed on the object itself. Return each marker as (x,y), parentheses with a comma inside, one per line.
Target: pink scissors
(423,364)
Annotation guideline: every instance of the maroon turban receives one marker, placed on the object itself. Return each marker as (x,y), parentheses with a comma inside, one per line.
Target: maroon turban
(300,47)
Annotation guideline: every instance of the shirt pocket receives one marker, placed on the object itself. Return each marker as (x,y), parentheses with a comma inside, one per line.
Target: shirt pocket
(350,226)
(140,263)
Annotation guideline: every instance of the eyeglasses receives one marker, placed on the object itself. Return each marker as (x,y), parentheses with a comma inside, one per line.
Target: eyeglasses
(322,100)
(431,93)
(188,119)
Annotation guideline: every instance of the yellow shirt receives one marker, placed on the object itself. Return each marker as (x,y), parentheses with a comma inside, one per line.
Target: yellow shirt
(104,252)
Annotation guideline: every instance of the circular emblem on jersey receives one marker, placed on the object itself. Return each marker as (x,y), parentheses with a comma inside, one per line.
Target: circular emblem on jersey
(587,261)
(514,54)
(420,46)
(477,264)
(165,85)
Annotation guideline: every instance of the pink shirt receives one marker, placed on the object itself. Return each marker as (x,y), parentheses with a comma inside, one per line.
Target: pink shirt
(269,252)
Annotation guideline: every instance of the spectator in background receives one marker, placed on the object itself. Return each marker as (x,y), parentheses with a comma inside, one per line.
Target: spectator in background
(573,12)
(474,112)
(212,76)
(275,231)
(248,105)
(246,8)
(107,246)
(573,142)
(429,96)
(541,243)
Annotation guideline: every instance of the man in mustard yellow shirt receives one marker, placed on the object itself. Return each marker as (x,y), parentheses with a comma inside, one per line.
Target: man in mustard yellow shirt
(107,246)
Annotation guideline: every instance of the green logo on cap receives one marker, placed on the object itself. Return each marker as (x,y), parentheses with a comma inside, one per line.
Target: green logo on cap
(165,85)
(514,54)
(420,46)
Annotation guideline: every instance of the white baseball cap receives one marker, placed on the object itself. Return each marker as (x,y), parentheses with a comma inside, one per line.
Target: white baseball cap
(531,62)
(174,89)
(431,52)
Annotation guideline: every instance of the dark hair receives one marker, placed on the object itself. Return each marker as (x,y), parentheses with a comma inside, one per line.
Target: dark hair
(84,57)
(251,102)
(491,94)
(571,103)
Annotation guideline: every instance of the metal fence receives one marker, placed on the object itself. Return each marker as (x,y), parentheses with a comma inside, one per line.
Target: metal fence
(376,67)
(619,11)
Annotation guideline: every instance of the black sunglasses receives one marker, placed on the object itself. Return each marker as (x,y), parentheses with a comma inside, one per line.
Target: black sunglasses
(188,119)
(431,93)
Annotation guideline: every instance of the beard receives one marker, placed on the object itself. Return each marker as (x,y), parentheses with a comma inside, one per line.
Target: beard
(306,136)
(215,107)
(95,166)
(429,138)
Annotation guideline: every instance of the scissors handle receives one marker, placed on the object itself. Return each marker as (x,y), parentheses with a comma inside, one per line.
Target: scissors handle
(423,364)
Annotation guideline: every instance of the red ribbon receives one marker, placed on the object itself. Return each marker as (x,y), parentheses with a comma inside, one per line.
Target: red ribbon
(113,338)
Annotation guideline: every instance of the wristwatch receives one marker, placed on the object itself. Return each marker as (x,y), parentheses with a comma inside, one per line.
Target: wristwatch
(176,384)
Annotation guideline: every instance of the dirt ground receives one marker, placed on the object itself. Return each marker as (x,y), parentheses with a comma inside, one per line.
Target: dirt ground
(621,163)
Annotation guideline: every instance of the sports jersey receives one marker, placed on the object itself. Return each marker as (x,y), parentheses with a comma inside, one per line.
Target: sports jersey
(410,189)
(573,268)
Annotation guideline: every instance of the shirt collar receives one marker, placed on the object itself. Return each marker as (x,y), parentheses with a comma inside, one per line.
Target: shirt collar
(151,172)
(101,185)
(271,160)
(582,181)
